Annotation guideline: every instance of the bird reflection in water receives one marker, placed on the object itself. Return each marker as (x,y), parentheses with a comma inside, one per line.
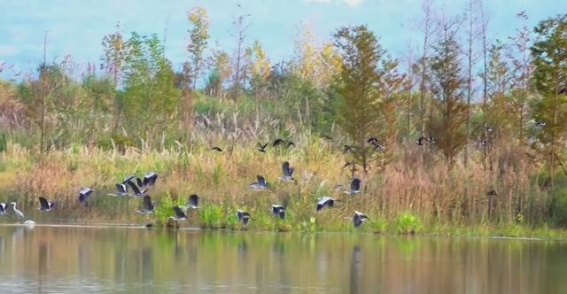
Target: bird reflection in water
(355,269)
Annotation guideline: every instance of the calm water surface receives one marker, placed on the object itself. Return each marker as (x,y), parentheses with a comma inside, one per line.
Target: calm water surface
(132,260)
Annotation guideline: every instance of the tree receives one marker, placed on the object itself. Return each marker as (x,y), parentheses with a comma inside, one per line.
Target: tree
(113,58)
(549,52)
(448,85)
(259,68)
(150,94)
(519,55)
(358,85)
(240,58)
(199,37)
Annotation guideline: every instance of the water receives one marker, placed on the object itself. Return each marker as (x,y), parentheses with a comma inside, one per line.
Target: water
(134,260)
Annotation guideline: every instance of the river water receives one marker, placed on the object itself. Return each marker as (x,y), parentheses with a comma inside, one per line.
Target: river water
(73,259)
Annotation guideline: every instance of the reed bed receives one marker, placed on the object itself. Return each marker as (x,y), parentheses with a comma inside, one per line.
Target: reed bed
(406,196)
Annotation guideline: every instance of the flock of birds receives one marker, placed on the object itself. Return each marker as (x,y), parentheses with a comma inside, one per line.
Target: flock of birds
(134,186)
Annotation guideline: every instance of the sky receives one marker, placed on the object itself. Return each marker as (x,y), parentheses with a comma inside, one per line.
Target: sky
(76,28)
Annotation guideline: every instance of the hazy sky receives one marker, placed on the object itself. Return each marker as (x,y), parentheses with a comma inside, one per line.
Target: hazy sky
(77,27)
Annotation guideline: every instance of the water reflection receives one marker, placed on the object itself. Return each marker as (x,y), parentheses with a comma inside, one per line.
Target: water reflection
(109,260)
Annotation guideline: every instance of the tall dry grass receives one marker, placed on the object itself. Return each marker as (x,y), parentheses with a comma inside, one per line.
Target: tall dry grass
(429,191)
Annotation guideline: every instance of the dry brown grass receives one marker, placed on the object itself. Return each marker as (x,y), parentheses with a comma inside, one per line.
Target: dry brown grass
(429,190)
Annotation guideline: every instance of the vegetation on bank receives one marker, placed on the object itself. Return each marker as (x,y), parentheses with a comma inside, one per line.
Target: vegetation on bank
(491,146)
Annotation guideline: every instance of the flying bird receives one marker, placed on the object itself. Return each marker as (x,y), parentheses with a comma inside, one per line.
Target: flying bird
(45,205)
(243,217)
(147,206)
(122,190)
(179,214)
(2,208)
(84,194)
(277,142)
(278,211)
(325,202)
(262,148)
(260,185)
(348,149)
(136,189)
(192,202)
(358,218)
(354,186)
(218,149)
(287,172)
(150,179)
(492,193)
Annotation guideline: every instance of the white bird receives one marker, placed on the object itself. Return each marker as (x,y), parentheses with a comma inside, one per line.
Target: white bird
(17,212)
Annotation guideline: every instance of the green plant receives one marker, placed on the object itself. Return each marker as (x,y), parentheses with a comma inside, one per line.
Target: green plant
(408,223)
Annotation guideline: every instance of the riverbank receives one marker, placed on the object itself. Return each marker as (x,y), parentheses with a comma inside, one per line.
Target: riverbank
(398,198)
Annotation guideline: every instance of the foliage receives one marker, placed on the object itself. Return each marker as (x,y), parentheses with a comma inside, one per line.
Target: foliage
(358,85)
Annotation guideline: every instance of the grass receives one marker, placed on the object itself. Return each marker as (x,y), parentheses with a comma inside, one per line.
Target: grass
(400,199)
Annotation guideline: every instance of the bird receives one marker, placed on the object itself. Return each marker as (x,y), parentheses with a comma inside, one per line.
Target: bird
(262,148)
(492,193)
(278,211)
(243,217)
(290,144)
(358,218)
(218,149)
(420,141)
(45,205)
(372,140)
(122,189)
(2,208)
(136,189)
(354,186)
(147,205)
(260,185)
(179,214)
(84,193)
(277,142)
(192,202)
(17,212)
(348,148)
(287,172)
(325,202)
(150,179)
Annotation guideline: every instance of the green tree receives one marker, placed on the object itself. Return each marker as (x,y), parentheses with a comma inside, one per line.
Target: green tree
(199,38)
(358,85)
(448,123)
(150,94)
(549,53)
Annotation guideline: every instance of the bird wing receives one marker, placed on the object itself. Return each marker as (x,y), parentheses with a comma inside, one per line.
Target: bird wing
(134,187)
(43,202)
(355,184)
(194,200)
(261,180)
(285,169)
(178,212)
(122,188)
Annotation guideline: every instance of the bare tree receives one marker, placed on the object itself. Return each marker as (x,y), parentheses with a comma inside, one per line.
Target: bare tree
(241,28)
